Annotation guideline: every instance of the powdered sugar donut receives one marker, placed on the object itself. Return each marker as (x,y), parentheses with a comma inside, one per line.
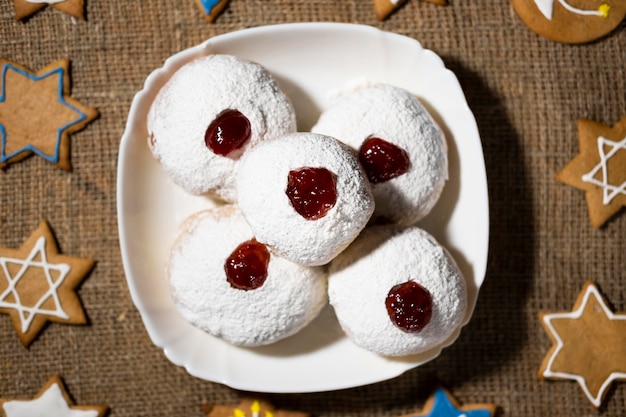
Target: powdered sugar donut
(304,195)
(397,291)
(216,274)
(402,149)
(211,111)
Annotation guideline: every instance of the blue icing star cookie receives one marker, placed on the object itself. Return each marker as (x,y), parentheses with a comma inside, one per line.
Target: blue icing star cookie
(211,8)
(442,404)
(37,114)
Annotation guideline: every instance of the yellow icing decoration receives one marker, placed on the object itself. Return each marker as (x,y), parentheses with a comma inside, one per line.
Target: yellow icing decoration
(604,10)
(255,408)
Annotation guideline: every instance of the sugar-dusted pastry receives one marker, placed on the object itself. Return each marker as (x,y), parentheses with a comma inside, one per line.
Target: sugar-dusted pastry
(208,114)
(305,196)
(400,146)
(397,291)
(226,283)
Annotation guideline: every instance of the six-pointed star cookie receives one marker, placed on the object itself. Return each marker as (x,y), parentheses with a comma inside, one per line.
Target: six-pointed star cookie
(211,8)
(442,404)
(37,284)
(25,8)
(37,114)
(599,169)
(588,344)
(385,7)
(52,401)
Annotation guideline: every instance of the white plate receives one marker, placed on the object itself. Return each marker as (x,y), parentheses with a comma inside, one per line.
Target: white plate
(310,60)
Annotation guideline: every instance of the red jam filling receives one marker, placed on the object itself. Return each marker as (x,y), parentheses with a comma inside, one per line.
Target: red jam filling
(228,132)
(312,191)
(382,160)
(246,267)
(410,306)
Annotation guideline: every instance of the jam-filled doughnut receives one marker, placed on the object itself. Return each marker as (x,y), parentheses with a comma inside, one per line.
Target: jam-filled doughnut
(400,146)
(397,291)
(226,283)
(211,111)
(304,195)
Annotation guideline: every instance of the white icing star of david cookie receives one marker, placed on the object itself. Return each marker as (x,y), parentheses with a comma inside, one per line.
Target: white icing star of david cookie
(599,169)
(37,284)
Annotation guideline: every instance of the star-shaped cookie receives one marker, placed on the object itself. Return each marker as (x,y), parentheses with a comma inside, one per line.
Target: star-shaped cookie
(25,8)
(249,408)
(385,7)
(37,284)
(37,114)
(587,344)
(442,404)
(52,400)
(599,169)
(211,8)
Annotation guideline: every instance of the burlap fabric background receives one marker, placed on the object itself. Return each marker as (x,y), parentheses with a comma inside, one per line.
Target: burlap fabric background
(526,93)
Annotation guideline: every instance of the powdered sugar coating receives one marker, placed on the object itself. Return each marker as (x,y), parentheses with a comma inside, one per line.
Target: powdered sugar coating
(195,95)
(394,115)
(291,297)
(383,256)
(262,182)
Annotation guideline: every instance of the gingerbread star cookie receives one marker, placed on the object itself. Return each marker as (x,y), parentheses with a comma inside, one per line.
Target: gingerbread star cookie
(37,284)
(37,114)
(250,408)
(442,404)
(385,7)
(571,21)
(599,169)
(587,344)
(53,400)
(211,8)
(25,8)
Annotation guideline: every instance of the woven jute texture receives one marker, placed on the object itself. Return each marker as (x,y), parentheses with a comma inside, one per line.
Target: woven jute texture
(526,93)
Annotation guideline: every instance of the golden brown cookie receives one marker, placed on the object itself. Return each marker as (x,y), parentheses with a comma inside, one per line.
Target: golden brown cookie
(587,344)
(52,400)
(571,21)
(25,8)
(385,7)
(442,404)
(249,408)
(37,114)
(37,284)
(211,8)
(599,169)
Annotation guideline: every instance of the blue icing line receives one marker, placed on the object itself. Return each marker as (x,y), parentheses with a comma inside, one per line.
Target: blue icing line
(443,407)
(3,134)
(209,5)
